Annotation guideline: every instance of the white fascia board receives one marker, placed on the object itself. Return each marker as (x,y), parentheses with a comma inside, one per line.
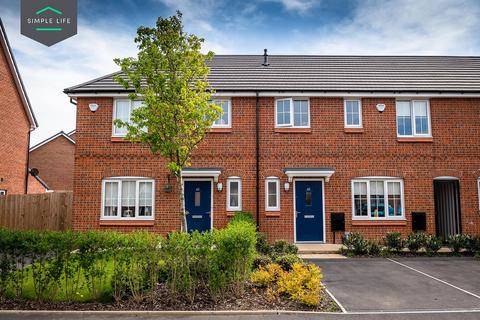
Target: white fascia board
(291,174)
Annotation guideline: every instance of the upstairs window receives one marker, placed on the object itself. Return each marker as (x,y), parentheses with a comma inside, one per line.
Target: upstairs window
(234,194)
(122,110)
(413,118)
(353,113)
(225,120)
(377,198)
(294,113)
(128,198)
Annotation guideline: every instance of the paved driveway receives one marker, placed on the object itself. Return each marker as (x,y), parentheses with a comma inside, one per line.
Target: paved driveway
(404,284)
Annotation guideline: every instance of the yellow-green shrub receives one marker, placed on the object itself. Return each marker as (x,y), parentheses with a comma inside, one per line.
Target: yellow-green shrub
(302,283)
(265,276)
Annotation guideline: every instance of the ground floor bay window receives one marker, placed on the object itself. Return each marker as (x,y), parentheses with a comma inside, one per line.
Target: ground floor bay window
(377,198)
(128,198)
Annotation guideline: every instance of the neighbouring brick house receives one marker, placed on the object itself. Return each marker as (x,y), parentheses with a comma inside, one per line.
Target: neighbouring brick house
(380,141)
(53,160)
(16,122)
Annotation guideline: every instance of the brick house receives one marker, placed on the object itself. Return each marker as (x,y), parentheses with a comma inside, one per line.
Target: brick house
(381,143)
(53,160)
(16,122)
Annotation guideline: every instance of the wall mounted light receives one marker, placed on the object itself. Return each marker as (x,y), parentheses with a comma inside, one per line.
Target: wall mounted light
(286,186)
(219,187)
(381,107)
(93,107)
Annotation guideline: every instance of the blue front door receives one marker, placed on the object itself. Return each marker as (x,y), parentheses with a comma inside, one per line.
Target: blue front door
(198,205)
(309,210)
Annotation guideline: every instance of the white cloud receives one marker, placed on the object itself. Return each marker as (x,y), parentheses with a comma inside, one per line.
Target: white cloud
(46,71)
(402,27)
(300,6)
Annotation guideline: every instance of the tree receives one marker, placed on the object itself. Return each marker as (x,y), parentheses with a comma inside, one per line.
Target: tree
(170,76)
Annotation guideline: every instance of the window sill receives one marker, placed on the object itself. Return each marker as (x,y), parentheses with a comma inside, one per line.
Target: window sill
(220,130)
(293,130)
(136,223)
(119,139)
(415,139)
(353,130)
(379,222)
(272,214)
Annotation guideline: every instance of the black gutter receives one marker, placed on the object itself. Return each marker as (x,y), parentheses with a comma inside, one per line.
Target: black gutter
(257,159)
(27,170)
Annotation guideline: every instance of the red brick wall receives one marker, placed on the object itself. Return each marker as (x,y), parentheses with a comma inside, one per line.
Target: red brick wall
(455,151)
(14,127)
(34,186)
(54,161)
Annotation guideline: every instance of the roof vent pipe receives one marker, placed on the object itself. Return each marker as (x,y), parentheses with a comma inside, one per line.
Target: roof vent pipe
(265,58)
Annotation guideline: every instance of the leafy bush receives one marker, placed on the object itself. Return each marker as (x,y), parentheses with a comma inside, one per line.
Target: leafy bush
(282,247)
(262,245)
(242,216)
(472,244)
(394,242)
(287,261)
(433,243)
(266,276)
(355,243)
(261,260)
(302,284)
(373,247)
(457,242)
(415,241)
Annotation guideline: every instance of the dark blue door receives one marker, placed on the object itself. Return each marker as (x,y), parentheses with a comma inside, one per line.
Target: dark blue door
(198,205)
(309,210)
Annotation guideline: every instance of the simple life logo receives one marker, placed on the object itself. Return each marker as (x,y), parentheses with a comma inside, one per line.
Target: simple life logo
(49,21)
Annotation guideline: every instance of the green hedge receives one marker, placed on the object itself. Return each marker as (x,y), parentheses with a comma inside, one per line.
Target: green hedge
(97,266)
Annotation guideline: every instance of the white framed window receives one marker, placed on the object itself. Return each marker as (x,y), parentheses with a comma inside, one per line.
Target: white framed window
(413,118)
(3,192)
(272,194)
(128,198)
(293,113)
(478,185)
(234,194)
(225,120)
(122,110)
(377,198)
(352,113)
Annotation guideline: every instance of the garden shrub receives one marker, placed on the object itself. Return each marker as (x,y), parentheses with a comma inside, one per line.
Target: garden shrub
(355,243)
(472,244)
(282,247)
(286,261)
(302,284)
(242,216)
(415,241)
(266,276)
(457,242)
(433,243)
(261,260)
(262,245)
(373,247)
(394,242)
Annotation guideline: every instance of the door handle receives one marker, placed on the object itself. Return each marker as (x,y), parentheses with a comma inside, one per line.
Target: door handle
(296,214)
(187,213)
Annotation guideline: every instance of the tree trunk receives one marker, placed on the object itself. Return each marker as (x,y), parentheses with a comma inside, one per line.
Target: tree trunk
(183,215)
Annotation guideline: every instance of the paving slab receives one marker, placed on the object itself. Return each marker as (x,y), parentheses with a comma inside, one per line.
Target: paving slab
(377,284)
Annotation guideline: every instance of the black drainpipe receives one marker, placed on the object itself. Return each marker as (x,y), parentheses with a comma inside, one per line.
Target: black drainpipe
(27,171)
(257,158)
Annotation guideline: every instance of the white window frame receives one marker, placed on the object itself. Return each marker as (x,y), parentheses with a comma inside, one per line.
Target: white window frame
(114,115)
(229,109)
(292,115)
(119,180)
(412,118)
(277,181)
(385,181)
(478,188)
(239,207)
(360,124)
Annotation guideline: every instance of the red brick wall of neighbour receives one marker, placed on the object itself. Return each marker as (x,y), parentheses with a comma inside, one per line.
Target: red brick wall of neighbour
(34,186)
(54,161)
(454,151)
(14,127)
